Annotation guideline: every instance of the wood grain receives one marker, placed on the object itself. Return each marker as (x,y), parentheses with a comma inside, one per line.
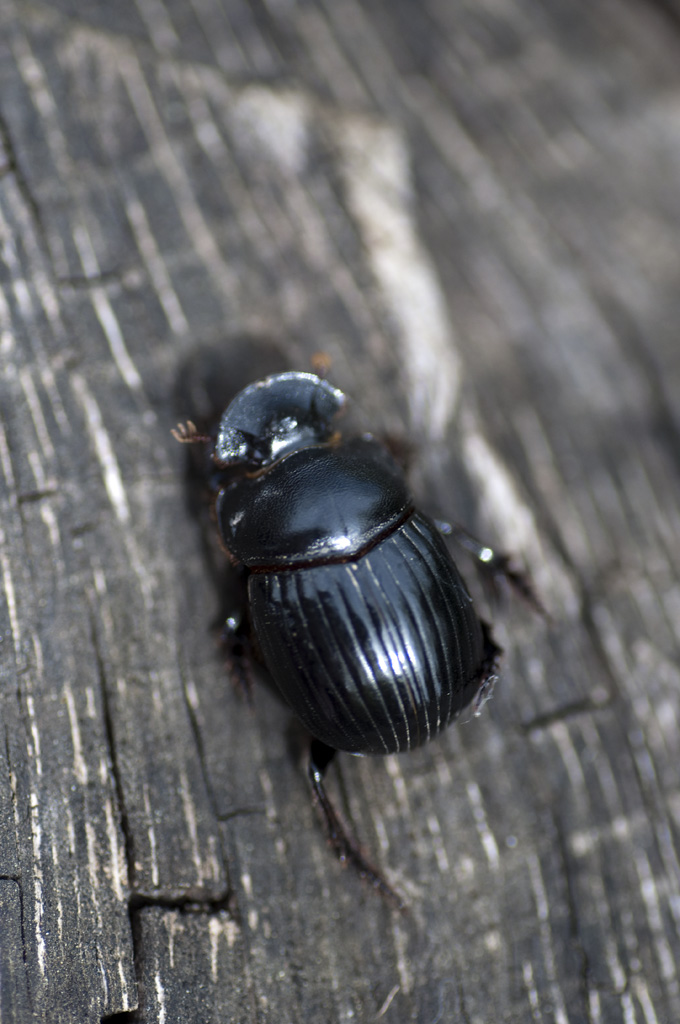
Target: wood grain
(473,209)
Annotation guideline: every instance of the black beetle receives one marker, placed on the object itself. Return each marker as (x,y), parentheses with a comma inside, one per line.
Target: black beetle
(354,603)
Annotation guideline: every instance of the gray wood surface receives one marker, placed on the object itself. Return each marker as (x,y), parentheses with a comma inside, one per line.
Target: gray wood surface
(474,209)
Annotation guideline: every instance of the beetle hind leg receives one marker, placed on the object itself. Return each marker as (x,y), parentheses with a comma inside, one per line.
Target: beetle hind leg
(345,846)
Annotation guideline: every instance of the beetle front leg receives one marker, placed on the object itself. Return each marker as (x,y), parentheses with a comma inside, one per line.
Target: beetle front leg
(345,846)
(500,567)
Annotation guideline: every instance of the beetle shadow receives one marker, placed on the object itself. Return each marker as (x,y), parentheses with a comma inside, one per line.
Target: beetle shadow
(211,375)
(207,380)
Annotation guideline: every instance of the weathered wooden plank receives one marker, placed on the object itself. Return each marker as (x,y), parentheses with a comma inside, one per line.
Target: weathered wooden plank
(474,211)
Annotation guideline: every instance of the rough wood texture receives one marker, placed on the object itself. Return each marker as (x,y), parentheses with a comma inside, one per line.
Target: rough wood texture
(474,209)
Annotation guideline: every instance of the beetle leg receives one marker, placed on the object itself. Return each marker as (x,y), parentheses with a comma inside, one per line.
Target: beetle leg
(501,568)
(188,433)
(236,638)
(488,673)
(345,846)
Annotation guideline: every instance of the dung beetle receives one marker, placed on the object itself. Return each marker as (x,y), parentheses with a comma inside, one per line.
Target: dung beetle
(354,603)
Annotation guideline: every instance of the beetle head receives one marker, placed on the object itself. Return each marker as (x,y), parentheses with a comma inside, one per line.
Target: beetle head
(276,416)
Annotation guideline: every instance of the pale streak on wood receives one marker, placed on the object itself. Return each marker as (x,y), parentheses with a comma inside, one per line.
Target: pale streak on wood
(530,986)
(211,867)
(172,926)
(375,166)
(489,844)
(79,764)
(395,773)
(190,818)
(175,173)
(543,915)
(154,262)
(60,903)
(10,597)
(90,708)
(118,871)
(628,1008)
(322,252)
(438,847)
(214,932)
(151,834)
(41,284)
(8,473)
(42,433)
(160,27)
(198,85)
(570,524)
(330,61)
(268,793)
(220,926)
(38,909)
(39,280)
(381,832)
(93,866)
(211,16)
(563,741)
(160,997)
(51,525)
(650,899)
(127,1003)
(511,517)
(34,78)
(19,286)
(23,299)
(102,307)
(273,124)
(616,971)
(7,341)
(594,1007)
(103,447)
(641,990)
(35,734)
(255,58)
(359,37)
